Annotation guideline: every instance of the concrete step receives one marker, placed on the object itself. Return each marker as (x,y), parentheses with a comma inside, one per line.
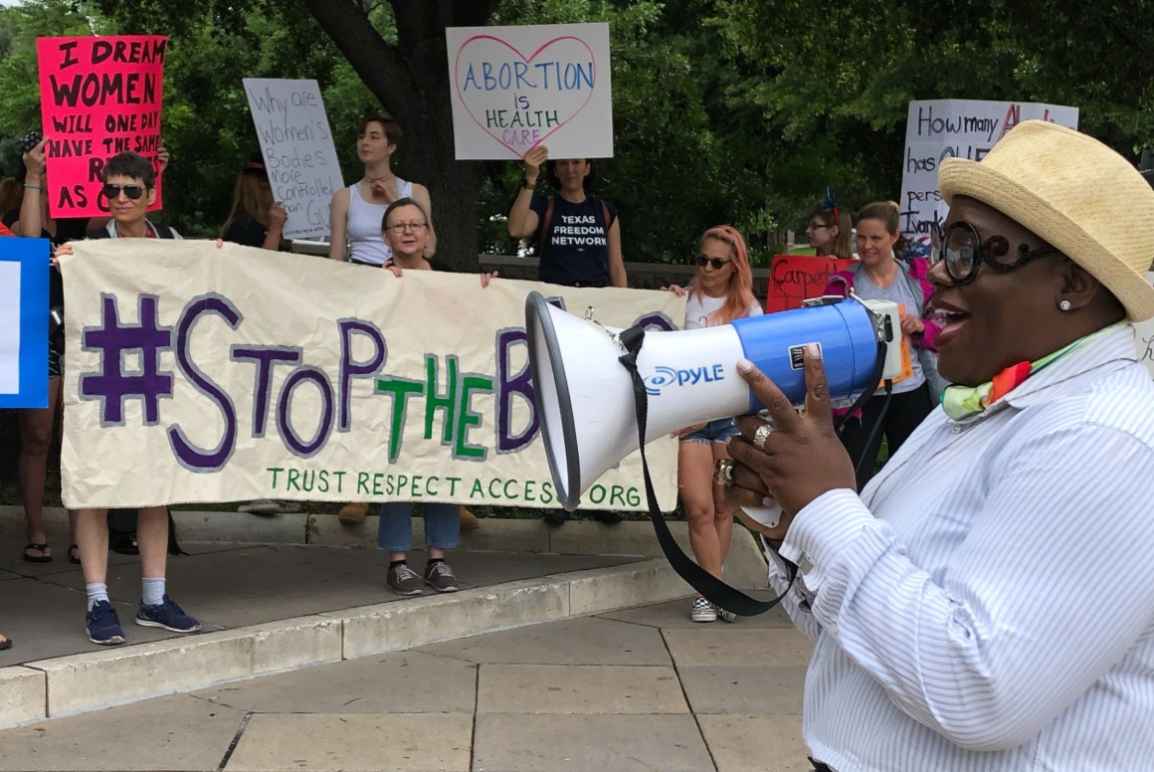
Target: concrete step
(95,680)
(272,607)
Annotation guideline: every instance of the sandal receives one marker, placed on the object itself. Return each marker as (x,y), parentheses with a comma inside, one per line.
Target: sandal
(45,555)
(74,554)
(5,642)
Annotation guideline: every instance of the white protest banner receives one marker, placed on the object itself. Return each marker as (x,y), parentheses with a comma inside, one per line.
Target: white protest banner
(298,151)
(202,374)
(514,88)
(937,129)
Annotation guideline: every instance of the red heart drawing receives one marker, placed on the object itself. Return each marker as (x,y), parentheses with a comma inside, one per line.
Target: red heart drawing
(526,59)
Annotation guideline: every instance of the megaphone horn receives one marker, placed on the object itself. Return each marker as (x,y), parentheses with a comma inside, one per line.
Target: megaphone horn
(585,397)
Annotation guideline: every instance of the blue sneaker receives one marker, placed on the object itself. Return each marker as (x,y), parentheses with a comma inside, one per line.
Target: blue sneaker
(167,615)
(103,625)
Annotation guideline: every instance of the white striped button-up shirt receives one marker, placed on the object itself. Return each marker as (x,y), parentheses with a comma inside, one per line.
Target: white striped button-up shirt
(988,602)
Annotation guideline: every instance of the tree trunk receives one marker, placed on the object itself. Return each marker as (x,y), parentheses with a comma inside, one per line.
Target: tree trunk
(412,81)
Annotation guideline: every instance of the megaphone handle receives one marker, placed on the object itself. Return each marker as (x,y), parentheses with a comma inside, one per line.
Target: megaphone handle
(715,590)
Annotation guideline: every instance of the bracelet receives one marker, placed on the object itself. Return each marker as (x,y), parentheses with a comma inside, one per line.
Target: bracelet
(525,184)
(33,187)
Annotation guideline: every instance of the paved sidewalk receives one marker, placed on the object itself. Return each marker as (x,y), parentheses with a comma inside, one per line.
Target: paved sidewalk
(228,586)
(640,689)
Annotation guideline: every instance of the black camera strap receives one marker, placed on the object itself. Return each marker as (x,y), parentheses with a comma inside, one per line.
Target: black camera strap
(713,589)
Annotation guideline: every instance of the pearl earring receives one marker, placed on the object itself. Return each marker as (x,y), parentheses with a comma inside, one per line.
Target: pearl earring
(1065,305)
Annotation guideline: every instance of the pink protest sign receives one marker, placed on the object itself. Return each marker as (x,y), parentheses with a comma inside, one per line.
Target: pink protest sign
(99,96)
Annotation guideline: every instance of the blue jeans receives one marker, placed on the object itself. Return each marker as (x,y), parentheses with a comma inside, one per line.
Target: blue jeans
(395,532)
(721,430)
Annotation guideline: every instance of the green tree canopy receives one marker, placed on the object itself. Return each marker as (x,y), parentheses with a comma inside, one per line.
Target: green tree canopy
(737,111)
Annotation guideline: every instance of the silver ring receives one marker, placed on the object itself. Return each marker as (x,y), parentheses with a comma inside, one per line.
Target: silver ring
(724,474)
(761,436)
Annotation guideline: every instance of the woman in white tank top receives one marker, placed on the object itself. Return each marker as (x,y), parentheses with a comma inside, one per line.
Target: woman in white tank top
(357,210)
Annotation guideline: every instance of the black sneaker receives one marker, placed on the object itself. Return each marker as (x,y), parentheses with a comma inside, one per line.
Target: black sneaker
(439,576)
(168,615)
(404,580)
(103,626)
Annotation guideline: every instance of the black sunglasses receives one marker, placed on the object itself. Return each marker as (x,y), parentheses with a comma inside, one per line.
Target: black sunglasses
(964,251)
(717,262)
(132,192)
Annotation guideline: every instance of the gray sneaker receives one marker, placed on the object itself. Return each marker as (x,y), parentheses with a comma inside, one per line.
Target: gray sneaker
(404,580)
(440,577)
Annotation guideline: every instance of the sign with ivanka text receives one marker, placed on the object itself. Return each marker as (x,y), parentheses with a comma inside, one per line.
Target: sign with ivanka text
(794,278)
(514,88)
(23,322)
(298,151)
(937,129)
(197,373)
(99,96)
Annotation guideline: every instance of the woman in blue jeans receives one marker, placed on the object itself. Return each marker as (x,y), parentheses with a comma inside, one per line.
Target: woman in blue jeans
(405,227)
(720,292)
(442,532)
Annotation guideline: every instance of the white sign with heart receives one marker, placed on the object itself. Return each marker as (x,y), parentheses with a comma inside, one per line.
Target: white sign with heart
(515,88)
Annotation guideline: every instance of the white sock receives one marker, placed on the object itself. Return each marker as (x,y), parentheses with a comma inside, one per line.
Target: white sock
(96,592)
(153,593)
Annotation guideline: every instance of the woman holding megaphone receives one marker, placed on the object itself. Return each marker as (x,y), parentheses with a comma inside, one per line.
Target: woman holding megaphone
(721,291)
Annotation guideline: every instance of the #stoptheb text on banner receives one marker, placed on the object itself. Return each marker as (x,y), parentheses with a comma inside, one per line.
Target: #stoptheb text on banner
(197,373)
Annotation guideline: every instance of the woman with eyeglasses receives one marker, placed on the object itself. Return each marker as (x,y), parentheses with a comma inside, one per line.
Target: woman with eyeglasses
(829,232)
(358,209)
(130,187)
(721,291)
(406,228)
(881,276)
(357,212)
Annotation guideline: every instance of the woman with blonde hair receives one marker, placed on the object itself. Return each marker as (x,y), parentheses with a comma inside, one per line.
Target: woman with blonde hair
(721,291)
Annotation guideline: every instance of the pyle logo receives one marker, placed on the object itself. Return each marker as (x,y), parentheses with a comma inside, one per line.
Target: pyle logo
(668,376)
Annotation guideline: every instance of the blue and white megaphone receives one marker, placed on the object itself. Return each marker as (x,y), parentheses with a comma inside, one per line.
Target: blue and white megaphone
(585,396)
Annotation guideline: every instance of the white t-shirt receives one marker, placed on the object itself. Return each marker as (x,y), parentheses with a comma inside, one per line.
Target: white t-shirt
(700,306)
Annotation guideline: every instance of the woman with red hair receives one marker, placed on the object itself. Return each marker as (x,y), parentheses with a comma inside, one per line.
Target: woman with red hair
(721,291)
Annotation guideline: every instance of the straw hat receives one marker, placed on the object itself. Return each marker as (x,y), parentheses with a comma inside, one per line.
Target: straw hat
(1075,193)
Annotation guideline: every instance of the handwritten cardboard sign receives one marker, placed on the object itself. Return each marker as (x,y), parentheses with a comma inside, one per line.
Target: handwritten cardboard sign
(298,151)
(99,96)
(937,129)
(514,88)
(794,278)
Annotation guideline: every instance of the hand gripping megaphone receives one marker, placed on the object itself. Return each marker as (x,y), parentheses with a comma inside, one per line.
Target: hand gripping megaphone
(589,403)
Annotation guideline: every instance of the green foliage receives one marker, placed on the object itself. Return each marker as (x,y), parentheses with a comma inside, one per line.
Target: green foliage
(831,81)
(736,111)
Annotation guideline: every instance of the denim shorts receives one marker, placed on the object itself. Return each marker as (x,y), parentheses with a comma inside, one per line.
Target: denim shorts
(721,430)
